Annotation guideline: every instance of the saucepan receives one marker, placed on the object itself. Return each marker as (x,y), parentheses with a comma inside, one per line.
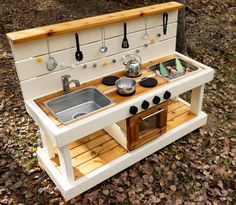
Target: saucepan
(125,86)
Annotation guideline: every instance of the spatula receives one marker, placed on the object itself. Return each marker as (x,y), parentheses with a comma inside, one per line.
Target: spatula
(78,54)
(125,43)
(165,22)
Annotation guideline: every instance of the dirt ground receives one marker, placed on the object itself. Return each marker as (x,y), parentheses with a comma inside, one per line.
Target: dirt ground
(199,169)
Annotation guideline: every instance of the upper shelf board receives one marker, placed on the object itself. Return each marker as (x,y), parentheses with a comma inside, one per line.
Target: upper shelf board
(86,23)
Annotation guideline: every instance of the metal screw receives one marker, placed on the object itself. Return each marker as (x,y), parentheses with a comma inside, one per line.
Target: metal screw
(137,51)
(158,35)
(94,65)
(113,60)
(85,66)
(145,45)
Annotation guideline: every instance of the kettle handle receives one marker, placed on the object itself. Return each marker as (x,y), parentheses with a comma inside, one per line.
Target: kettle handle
(140,59)
(126,63)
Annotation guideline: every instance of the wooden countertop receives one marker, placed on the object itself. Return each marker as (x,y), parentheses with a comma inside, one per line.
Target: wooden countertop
(110,91)
(86,23)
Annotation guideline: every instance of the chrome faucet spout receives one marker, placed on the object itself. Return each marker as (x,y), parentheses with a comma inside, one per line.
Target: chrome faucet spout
(76,82)
(66,83)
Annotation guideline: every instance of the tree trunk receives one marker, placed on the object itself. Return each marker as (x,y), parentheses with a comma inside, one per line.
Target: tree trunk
(181,45)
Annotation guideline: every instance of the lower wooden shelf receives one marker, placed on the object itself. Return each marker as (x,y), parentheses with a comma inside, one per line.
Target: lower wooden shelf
(99,148)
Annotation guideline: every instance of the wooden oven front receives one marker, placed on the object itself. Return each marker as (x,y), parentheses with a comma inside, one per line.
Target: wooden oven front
(146,125)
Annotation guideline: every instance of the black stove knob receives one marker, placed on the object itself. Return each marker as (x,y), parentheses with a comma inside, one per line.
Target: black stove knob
(156,100)
(133,110)
(145,104)
(167,95)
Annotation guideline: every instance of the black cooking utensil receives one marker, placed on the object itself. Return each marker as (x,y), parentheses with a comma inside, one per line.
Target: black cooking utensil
(165,22)
(125,43)
(78,54)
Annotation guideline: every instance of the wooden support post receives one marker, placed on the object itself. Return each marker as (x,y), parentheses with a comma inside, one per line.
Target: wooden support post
(65,163)
(47,144)
(196,99)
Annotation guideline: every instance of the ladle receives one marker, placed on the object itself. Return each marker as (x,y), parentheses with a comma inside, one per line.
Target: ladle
(103,48)
(51,64)
(145,36)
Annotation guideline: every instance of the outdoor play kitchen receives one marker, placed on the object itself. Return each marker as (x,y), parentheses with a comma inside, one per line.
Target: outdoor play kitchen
(104,92)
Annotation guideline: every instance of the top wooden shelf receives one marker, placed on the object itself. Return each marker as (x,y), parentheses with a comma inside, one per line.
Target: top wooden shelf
(81,24)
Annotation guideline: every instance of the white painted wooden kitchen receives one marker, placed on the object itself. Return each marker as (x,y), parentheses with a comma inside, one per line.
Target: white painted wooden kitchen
(104,92)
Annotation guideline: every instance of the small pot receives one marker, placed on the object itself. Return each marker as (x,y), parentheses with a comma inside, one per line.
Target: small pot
(125,86)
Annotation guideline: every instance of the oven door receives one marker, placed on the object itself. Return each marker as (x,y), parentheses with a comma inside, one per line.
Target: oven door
(146,125)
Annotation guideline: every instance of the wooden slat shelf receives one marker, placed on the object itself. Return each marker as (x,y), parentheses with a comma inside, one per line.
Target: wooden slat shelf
(86,23)
(99,148)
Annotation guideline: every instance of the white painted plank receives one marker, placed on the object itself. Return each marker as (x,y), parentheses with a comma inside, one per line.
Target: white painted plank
(43,121)
(139,24)
(27,50)
(47,144)
(66,41)
(118,134)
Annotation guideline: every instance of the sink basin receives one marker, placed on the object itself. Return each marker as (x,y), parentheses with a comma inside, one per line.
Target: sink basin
(77,104)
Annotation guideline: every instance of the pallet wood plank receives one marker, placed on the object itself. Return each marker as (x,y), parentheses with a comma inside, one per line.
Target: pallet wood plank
(180,120)
(90,145)
(88,138)
(99,161)
(97,151)
(177,112)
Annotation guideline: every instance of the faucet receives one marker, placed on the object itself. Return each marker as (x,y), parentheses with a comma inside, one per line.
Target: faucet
(66,83)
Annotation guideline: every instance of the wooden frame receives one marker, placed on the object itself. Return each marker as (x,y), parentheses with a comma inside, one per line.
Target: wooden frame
(72,26)
(134,139)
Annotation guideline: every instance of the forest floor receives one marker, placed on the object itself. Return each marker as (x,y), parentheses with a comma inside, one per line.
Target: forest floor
(199,169)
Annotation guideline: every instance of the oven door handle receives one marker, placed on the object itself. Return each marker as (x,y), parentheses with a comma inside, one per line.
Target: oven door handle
(155,113)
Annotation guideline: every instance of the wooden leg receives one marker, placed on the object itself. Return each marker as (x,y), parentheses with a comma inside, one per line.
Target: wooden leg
(65,163)
(47,144)
(196,100)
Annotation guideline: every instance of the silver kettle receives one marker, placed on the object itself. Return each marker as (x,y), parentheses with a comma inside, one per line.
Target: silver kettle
(133,65)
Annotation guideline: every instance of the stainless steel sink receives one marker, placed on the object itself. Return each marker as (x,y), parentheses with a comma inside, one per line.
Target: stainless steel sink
(77,104)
